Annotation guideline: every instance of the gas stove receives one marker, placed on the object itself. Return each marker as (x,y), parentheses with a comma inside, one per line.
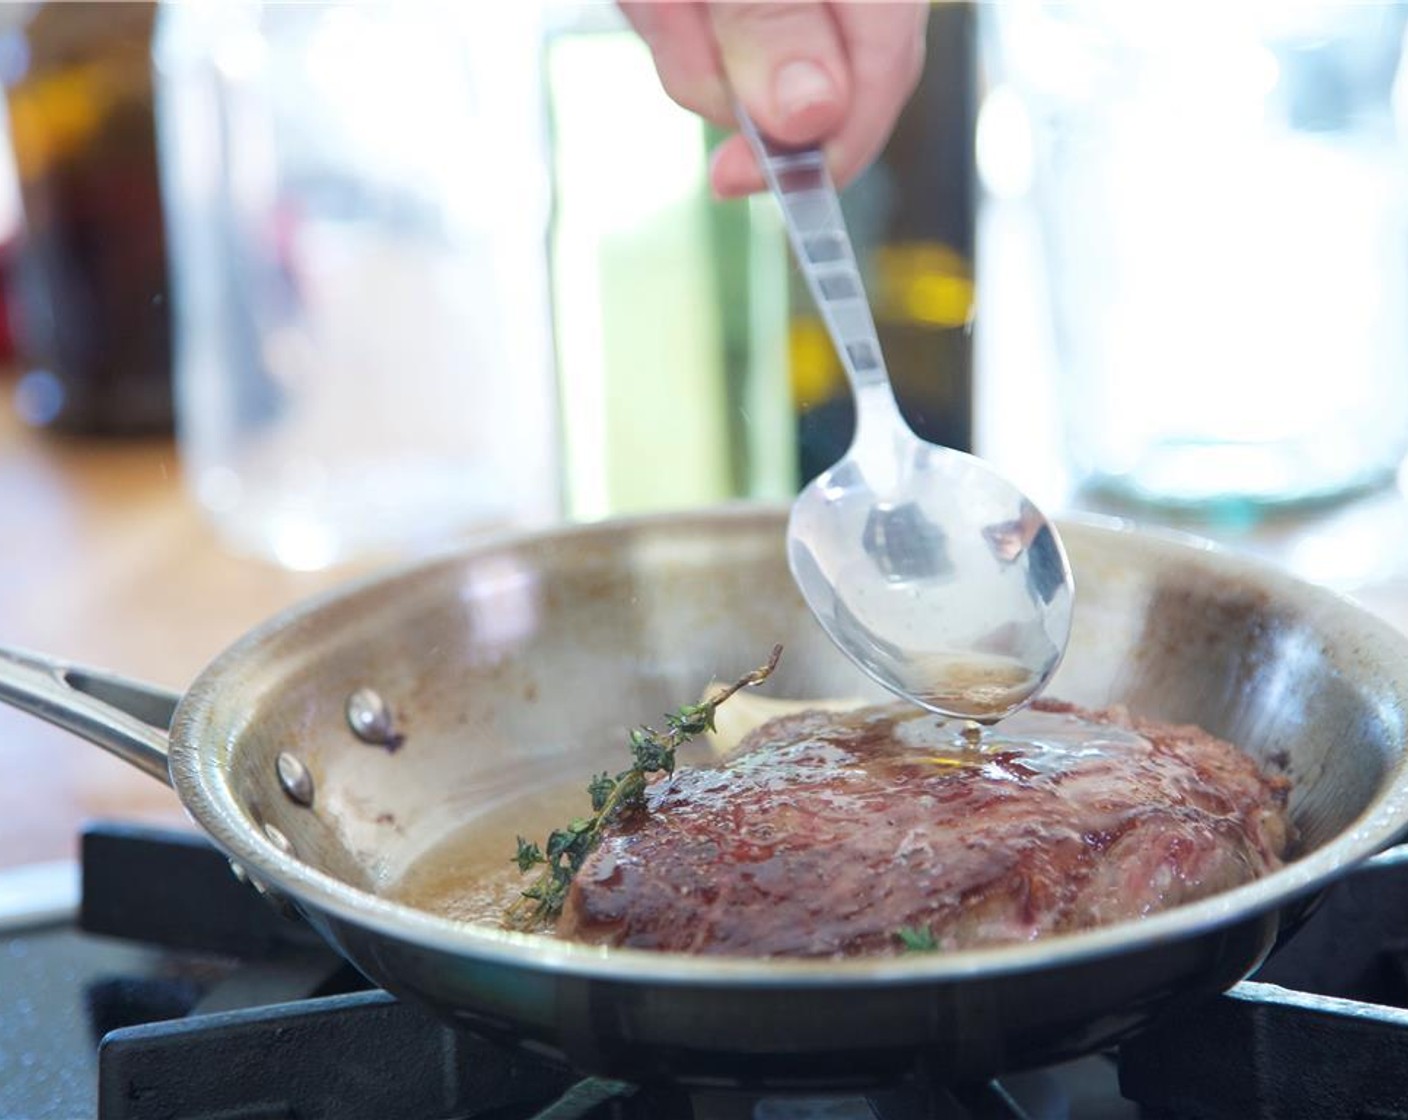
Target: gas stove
(147,983)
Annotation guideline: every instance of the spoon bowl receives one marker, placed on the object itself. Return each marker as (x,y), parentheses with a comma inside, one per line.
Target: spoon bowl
(935,576)
(928,568)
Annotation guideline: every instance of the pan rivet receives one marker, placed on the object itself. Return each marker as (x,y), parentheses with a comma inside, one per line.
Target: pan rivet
(278,839)
(370,719)
(295,779)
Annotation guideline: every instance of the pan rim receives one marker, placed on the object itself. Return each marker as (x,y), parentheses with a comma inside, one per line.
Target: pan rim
(201,782)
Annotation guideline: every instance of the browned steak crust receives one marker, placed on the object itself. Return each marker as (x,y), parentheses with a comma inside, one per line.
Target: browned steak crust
(825,834)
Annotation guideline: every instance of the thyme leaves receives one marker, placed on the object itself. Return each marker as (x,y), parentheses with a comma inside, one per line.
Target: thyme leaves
(917,939)
(652,752)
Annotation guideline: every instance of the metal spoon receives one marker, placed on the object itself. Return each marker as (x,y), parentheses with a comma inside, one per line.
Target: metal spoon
(929,569)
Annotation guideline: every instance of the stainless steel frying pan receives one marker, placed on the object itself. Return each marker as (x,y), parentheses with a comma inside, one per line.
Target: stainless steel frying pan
(525,661)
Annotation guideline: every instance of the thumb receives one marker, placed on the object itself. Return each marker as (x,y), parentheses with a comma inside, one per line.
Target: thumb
(787,65)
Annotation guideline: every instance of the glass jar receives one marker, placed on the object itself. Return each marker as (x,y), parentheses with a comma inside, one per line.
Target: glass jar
(357,197)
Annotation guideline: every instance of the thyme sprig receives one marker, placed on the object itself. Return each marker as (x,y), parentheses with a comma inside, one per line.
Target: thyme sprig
(652,752)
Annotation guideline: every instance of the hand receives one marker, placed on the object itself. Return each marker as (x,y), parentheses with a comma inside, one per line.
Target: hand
(835,73)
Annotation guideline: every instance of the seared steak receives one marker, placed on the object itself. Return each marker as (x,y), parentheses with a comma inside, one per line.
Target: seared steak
(828,834)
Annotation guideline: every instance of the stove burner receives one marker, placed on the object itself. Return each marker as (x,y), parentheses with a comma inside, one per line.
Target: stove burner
(211,1005)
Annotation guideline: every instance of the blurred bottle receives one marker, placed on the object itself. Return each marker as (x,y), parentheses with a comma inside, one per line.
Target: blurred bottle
(911,215)
(88,283)
(670,308)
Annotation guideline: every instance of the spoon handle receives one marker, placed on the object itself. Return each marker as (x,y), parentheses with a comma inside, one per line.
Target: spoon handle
(804,190)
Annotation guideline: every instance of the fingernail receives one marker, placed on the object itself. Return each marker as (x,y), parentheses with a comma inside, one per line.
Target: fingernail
(800,85)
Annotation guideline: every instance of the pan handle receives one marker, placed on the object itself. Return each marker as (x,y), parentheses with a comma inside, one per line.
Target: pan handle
(130,719)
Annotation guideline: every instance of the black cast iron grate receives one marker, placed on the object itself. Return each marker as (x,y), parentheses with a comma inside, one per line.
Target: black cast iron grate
(286,1030)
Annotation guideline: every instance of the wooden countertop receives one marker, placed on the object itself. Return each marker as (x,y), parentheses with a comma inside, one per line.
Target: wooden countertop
(104,561)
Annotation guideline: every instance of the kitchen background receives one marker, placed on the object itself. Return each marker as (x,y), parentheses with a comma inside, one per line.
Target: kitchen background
(294,291)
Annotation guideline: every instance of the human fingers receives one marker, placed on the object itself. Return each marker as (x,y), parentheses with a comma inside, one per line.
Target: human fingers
(785,62)
(787,65)
(884,45)
(681,41)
